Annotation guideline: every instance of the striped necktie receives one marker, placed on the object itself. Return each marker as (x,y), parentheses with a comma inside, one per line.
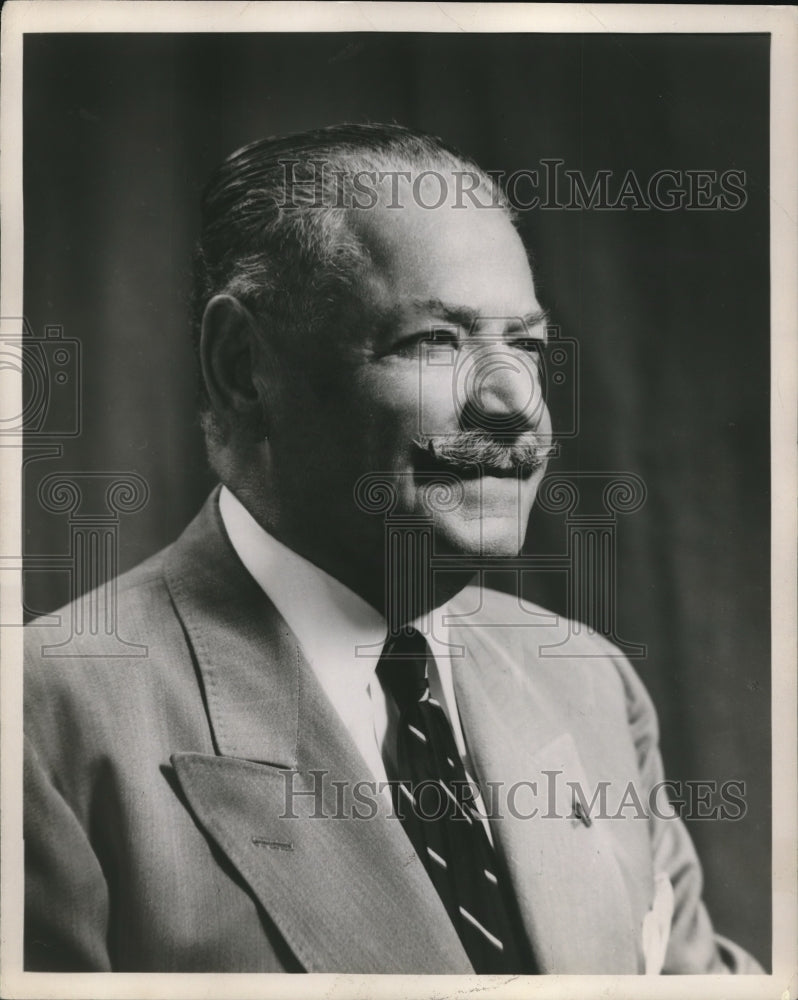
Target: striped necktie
(434,800)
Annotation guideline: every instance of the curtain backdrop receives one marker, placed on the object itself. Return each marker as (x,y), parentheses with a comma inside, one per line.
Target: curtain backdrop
(669,309)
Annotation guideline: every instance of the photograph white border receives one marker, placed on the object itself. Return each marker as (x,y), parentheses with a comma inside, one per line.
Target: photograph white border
(30,16)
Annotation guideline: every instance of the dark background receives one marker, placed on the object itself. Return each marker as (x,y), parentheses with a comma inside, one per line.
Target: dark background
(670,310)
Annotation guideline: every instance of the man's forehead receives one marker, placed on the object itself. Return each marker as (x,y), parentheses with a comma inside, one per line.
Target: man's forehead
(410,213)
(451,263)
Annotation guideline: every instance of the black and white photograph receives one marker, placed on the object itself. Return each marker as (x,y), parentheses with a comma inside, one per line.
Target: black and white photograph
(398,533)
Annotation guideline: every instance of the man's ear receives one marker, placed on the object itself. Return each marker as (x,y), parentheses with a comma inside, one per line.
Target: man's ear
(231,355)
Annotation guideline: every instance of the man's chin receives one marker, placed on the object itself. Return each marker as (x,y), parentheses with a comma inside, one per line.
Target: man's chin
(485,517)
(498,537)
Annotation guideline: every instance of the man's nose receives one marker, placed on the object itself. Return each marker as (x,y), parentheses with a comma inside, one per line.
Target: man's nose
(499,390)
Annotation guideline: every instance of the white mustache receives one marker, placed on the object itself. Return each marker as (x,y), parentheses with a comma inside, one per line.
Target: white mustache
(481,450)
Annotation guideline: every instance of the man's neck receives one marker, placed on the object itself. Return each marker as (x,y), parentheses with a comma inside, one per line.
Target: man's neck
(401,591)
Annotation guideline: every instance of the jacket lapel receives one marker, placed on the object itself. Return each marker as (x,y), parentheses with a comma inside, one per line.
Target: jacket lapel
(347,895)
(567,881)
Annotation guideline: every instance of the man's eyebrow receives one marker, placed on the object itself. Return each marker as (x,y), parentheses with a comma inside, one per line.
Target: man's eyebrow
(467,317)
(456,315)
(540,317)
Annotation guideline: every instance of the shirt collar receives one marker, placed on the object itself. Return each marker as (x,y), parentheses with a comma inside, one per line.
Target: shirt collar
(340,634)
(335,627)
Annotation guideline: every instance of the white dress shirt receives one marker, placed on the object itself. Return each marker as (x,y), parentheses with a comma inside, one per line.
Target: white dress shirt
(342,637)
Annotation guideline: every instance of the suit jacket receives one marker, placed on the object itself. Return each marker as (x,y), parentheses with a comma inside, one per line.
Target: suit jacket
(166,827)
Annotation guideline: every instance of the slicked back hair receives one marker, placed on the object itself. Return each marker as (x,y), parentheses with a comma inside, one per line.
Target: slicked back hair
(276,231)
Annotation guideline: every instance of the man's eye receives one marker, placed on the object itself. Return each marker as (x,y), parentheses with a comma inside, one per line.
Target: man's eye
(531,345)
(427,340)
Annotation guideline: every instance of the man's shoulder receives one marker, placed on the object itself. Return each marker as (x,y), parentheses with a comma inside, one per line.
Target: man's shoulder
(552,649)
(533,624)
(116,652)
(90,621)
(125,612)
(111,674)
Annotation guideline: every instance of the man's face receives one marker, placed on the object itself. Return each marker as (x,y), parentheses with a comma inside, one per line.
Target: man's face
(435,383)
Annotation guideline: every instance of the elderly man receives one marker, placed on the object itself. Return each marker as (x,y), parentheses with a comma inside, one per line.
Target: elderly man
(336,755)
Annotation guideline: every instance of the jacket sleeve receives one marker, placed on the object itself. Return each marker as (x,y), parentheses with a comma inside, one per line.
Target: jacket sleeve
(66,895)
(693,947)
